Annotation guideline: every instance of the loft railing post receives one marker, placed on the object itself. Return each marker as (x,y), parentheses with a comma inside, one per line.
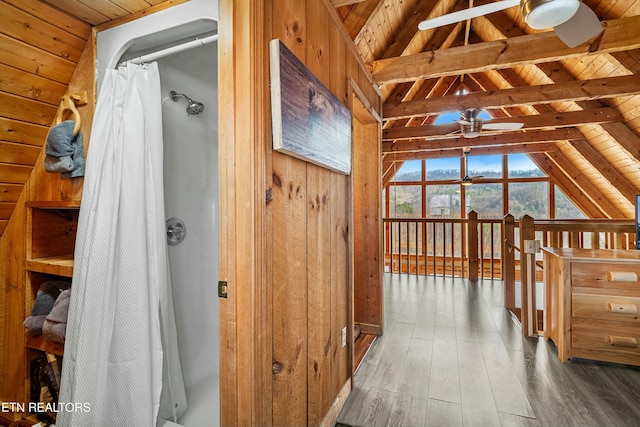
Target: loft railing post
(472,225)
(509,262)
(529,310)
(527,232)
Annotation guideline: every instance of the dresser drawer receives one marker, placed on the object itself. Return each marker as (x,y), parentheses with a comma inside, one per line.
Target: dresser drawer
(612,341)
(606,275)
(606,307)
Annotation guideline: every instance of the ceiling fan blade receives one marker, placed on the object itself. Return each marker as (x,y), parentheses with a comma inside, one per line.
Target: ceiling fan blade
(463,15)
(580,27)
(502,126)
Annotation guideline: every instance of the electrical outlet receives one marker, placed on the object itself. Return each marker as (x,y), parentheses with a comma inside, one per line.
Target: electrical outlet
(344,336)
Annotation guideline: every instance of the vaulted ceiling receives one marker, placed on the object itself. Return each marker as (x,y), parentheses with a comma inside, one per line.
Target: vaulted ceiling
(580,107)
(40,46)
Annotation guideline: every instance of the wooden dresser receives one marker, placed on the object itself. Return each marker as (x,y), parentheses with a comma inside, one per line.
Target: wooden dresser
(592,303)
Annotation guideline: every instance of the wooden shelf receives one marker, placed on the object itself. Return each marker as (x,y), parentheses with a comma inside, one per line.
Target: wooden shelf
(61,265)
(43,344)
(56,204)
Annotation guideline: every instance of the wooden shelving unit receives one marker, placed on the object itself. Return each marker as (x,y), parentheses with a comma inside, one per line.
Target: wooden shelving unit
(42,344)
(50,240)
(55,265)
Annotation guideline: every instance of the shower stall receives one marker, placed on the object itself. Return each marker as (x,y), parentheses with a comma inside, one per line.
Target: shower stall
(191,196)
(191,191)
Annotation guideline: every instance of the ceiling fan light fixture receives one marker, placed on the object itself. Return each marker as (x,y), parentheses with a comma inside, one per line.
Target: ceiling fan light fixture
(466,181)
(471,130)
(541,14)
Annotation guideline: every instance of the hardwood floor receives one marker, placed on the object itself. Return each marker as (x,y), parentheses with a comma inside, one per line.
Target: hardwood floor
(451,355)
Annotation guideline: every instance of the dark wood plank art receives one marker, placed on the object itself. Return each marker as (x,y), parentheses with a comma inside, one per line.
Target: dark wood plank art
(309,122)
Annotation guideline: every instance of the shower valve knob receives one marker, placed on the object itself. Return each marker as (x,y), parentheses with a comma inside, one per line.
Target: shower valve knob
(176,231)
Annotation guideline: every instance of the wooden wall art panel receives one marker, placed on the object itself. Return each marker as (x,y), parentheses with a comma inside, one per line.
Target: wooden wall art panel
(308,121)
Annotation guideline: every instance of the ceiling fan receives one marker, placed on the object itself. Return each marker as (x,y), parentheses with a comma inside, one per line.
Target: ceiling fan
(573,21)
(471,125)
(467,180)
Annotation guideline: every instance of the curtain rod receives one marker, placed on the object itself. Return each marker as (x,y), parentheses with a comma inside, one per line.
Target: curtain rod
(171,50)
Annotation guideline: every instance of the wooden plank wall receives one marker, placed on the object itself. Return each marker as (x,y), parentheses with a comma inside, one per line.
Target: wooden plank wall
(40,186)
(311,211)
(291,287)
(367,212)
(39,49)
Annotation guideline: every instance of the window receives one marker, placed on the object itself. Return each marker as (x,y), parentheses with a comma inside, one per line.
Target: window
(521,166)
(485,199)
(405,201)
(529,198)
(511,183)
(411,170)
(485,166)
(565,208)
(443,201)
(440,169)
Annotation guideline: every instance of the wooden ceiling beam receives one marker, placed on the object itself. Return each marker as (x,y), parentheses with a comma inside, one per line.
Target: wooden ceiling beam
(618,35)
(340,3)
(584,149)
(555,71)
(577,90)
(514,138)
(618,131)
(629,59)
(371,9)
(538,121)
(358,17)
(423,10)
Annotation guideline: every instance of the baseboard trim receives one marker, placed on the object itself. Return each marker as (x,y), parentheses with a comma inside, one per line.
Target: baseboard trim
(332,415)
(367,328)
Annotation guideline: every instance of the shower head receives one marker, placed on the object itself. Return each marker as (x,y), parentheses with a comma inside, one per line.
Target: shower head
(193,108)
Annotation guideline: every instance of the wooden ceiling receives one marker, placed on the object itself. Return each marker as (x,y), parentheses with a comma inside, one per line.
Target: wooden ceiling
(40,46)
(580,107)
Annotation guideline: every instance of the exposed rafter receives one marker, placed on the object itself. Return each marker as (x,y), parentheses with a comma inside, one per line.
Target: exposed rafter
(526,95)
(571,118)
(620,34)
(512,138)
(339,3)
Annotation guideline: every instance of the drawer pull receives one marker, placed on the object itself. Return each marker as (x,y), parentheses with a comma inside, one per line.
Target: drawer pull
(629,342)
(622,276)
(616,307)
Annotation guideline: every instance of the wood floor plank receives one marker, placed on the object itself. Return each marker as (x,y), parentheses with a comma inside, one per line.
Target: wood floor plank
(507,390)
(444,383)
(408,411)
(478,406)
(417,369)
(459,358)
(391,359)
(443,414)
(367,407)
(444,308)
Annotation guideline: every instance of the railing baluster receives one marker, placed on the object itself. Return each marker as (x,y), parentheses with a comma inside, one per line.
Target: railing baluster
(433,240)
(491,257)
(417,263)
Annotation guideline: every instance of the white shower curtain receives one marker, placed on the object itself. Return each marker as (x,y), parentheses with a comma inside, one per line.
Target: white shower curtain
(120,300)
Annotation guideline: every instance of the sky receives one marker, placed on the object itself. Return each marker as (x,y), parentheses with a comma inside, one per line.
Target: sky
(516,162)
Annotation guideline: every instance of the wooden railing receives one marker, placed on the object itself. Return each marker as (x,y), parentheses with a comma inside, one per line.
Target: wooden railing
(461,247)
(589,234)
